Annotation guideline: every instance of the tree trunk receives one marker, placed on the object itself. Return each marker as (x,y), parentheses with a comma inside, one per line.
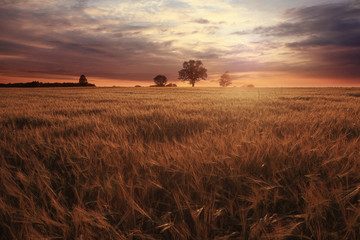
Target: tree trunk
(193,84)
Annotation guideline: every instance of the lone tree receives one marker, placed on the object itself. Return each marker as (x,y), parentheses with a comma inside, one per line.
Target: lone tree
(192,71)
(225,79)
(82,80)
(160,80)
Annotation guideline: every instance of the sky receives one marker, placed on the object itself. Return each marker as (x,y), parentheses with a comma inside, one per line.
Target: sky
(128,42)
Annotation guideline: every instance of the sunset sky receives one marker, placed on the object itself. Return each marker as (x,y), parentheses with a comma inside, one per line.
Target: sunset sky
(129,42)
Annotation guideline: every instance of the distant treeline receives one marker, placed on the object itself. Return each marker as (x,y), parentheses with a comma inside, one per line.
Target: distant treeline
(40,84)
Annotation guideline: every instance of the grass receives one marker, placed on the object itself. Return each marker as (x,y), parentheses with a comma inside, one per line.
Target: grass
(179,163)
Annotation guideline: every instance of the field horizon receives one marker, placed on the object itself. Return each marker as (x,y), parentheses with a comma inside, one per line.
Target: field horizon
(180,163)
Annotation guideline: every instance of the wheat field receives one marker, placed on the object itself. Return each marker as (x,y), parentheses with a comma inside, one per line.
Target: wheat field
(180,163)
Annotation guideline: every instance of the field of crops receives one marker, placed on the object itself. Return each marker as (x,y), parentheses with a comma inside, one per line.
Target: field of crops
(180,163)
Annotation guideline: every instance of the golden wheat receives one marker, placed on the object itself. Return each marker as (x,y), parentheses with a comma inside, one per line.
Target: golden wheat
(180,163)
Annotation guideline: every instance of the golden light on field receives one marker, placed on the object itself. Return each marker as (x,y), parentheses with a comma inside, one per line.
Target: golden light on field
(180,163)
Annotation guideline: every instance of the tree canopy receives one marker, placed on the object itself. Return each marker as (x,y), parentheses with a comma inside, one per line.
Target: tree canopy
(82,80)
(193,71)
(225,80)
(160,80)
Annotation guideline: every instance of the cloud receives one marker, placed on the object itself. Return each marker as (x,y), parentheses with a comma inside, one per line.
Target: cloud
(202,21)
(75,42)
(111,39)
(176,4)
(331,18)
(135,40)
(327,36)
(82,3)
(240,33)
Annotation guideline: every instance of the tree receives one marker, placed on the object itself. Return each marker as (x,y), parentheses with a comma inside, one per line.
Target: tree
(192,71)
(82,80)
(225,79)
(160,80)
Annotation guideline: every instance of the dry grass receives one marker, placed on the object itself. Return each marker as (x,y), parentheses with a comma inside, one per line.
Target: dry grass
(175,163)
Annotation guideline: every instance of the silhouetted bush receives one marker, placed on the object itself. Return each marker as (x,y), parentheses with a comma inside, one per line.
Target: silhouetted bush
(160,80)
(82,80)
(35,84)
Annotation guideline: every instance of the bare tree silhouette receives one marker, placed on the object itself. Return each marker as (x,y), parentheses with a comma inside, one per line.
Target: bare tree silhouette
(160,80)
(192,71)
(225,79)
